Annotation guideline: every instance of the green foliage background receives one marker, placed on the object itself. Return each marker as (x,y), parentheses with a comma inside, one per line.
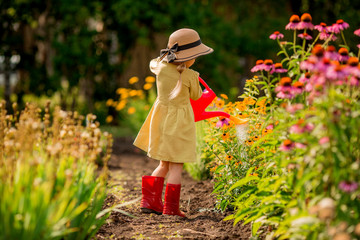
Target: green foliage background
(62,52)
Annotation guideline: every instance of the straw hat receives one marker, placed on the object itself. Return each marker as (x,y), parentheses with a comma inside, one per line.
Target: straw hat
(184,44)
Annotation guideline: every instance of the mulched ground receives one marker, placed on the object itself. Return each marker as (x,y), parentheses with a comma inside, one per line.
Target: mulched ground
(204,221)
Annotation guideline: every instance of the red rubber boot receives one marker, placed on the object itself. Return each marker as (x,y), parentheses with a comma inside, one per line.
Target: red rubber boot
(172,198)
(152,188)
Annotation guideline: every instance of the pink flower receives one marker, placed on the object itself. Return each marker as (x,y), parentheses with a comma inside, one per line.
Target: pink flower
(284,90)
(321,27)
(305,22)
(293,23)
(222,122)
(331,53)
(270,126)
(259,66)
(278,68)
(300,145)
(348,187)
(358,45)
(340,25)
(325,36)
(294,108)
(343,55)
(305,77)
(336,72)
(324,140)
(357,32)
(268,65)
(296,128)
(287,146)
(276,35)
(305,36)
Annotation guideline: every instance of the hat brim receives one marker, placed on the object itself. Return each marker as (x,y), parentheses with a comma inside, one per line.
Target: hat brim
(188,54)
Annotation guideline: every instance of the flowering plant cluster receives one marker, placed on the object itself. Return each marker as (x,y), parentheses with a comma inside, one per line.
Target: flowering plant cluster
(299,180)
(133,103)
(50,185)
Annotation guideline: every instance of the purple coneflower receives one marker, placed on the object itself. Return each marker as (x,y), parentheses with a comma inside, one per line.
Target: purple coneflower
(331,53)
(325,36)
(259,66)
(353,66)
(268,65)
(276,35)
(324,140)
(305,22)
(223,121)
(293,23)
(284,90)
(343,54)
(297,87)
(339,26)
(357,32)
(287,146)
(278,68)
(324,64)
(321,27)
(348,187)
(337,72)
(309,64)
(305,77)
(294,108)
(305,36)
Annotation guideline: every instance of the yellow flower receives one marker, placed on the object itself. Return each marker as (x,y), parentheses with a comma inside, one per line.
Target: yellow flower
(124,95)
(140,93)
(249,101)
(133,93)
(225,136)
(133,80)
(149,79)
(220,103)
(121,105)
(147,86)
(109,119)
(241,106)
(131,110)
(109,102)
(121,90)
(224,96)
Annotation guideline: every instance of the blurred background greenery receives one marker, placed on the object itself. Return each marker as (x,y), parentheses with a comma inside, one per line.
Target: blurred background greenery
(78,53)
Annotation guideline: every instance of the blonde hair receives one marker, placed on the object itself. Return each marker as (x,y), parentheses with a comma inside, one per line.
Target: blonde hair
(180,68)
(175,92)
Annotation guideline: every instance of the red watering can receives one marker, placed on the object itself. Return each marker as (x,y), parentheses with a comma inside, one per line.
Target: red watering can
(204,101)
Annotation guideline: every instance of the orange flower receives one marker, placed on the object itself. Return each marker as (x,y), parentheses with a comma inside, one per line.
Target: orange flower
(225,136)
(241,106)
(243,115)
(249,142)
(229,157)
(220,103)
(224,96)
(249,101)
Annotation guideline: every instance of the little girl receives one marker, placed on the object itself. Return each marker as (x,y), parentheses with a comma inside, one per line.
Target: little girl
(168,133)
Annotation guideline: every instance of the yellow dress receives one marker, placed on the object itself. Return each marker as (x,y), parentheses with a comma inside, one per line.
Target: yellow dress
(168,133)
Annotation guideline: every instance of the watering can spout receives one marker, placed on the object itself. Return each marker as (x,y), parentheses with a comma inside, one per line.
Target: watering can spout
(204,101)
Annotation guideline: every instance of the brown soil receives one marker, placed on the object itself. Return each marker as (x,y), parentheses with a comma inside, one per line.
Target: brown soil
(204,221)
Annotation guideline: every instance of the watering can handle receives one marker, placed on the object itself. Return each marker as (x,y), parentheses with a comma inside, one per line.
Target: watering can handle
(204,84)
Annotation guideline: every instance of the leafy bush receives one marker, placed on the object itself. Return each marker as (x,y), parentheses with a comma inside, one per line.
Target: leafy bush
(50,187)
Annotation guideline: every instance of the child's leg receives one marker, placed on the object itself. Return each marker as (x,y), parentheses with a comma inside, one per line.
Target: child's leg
(152,188)
(161,170)
(172,192)
(175,170)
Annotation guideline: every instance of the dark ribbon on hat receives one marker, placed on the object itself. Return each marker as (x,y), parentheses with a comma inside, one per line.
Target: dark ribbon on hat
(176,48)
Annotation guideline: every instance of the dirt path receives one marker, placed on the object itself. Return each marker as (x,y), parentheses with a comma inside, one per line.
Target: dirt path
(127,165)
